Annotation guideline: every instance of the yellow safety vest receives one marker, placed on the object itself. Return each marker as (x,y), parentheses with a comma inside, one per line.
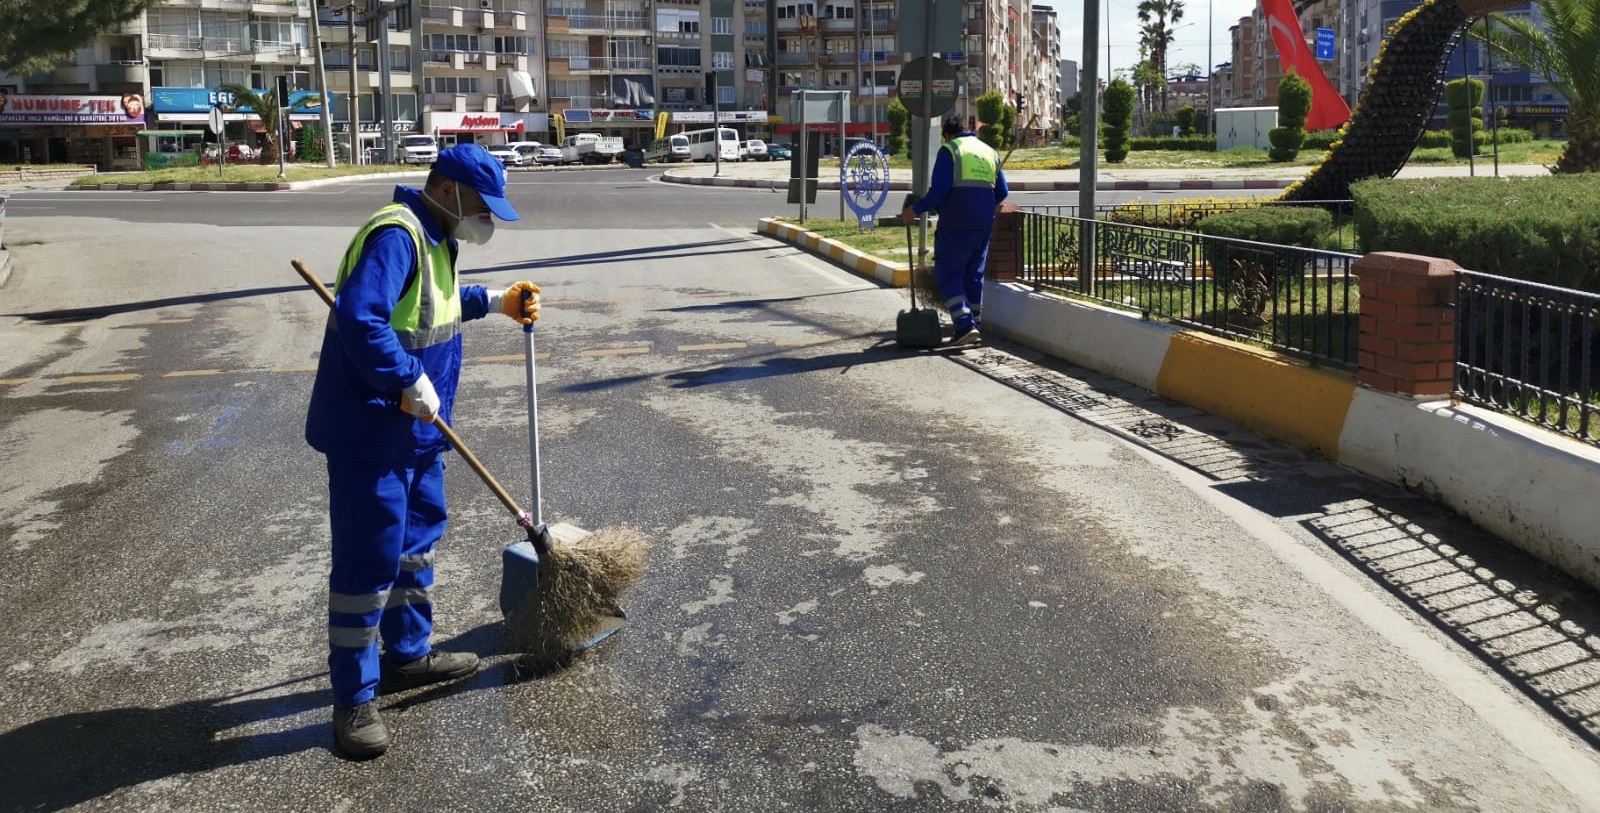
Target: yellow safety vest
(429,311)
(976,164)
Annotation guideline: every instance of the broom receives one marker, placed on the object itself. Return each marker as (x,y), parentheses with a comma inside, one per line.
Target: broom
(556,609)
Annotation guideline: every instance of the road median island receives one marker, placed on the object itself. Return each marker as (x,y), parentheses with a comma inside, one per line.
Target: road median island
(245,178)
(852,258)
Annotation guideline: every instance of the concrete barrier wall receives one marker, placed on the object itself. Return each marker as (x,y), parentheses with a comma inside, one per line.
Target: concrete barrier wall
(1533,488)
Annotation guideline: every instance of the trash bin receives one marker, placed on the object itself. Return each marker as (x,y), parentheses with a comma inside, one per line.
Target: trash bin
(634,158)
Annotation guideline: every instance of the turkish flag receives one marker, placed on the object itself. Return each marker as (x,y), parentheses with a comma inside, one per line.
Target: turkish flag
(1328,109)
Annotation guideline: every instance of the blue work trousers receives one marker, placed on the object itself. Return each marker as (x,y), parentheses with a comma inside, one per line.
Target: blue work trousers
(386,519)
(958,258)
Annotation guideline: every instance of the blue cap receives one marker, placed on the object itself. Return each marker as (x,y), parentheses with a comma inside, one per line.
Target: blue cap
(473,166)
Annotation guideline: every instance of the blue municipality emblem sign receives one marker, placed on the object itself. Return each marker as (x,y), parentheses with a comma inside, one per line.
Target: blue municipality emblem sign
(1325,43)
(864,182)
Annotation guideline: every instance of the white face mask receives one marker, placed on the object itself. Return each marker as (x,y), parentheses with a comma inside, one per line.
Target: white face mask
(475,230)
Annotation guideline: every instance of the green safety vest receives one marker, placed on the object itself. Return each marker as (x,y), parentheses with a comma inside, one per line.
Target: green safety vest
(429,311)
(976,164)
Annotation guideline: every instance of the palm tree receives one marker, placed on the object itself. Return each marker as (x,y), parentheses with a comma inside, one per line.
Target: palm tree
(1160,21)
(265,103)
(1564,55)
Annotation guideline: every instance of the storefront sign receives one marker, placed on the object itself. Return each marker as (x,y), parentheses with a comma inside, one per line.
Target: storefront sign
(34,110)
(375,127)
(167,160)
(490,122)
(201,100)
(1546,110)
(619,115)
(723,117)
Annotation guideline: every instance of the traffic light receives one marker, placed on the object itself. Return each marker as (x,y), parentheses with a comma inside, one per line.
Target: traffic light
(283,90)
(711,87)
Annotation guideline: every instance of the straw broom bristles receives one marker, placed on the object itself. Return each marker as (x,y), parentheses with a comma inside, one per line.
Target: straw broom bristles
(928,296)
(579,586)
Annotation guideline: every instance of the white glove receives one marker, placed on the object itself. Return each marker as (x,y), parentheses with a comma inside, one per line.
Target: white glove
(420,400)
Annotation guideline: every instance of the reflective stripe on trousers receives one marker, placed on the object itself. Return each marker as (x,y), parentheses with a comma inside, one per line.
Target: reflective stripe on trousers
(958,260)
(385,520)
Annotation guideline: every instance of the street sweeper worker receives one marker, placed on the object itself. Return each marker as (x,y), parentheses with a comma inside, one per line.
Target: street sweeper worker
(966,189)
(391,357)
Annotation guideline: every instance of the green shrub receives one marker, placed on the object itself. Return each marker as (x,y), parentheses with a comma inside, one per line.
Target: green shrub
(1540,229)
(989,112)
(1294,103)
(1281,225)
(1186,116)
(1118,107)
(898,117)
(1463,100)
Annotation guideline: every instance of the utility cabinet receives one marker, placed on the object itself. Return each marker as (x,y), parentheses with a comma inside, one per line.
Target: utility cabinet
(1245,127)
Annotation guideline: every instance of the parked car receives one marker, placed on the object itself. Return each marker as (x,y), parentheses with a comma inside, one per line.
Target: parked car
(548,154)
(754,150)
(418,149)
(505,155)
(778,151)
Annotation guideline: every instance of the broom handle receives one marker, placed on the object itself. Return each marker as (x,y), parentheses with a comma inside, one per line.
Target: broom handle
(444,429)
(533,423)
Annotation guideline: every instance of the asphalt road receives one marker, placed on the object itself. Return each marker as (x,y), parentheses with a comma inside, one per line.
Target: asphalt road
(881,581)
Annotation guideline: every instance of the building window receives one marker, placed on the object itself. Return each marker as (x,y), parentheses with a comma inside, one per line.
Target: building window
(450,84)
(672,56)
(840,12)
(563,49)
(453,42)
(568,88)
(722,60)
(722,25)
(755,28)
(513,45)
(724,94)
(565,8)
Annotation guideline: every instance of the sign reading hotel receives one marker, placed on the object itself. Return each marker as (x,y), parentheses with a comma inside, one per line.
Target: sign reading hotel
(19,109)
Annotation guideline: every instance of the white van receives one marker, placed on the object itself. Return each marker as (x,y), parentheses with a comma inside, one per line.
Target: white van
(418,149)
(753,150)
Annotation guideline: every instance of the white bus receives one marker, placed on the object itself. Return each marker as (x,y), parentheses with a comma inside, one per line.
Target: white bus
(669,150)
(700,144)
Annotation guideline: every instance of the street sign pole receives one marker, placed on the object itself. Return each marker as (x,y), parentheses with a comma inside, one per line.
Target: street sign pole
(844,104)
(217,127)
(925,148)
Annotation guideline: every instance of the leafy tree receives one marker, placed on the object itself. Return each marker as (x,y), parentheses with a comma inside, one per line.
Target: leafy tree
(1159,25)
(1464,100)
(1294,102)
(1186,117)
(1008,126)
(37,35)
(898,116)
(1564,55)
(989,112)
(1118,103)
(265,103)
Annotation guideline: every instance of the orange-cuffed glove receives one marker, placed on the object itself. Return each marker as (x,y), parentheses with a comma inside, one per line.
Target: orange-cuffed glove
(520,302)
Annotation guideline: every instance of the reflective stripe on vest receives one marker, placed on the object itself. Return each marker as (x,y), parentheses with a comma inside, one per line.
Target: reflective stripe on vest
(429,311)
(975,163)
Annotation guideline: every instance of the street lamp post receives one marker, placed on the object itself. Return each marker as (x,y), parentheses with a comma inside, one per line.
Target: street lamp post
(322,86)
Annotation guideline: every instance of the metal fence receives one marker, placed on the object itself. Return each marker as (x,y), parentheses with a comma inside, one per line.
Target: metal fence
(1183,215)
(1527,350)
(1298,300)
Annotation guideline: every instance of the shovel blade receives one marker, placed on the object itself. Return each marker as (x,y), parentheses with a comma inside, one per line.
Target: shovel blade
(918,328)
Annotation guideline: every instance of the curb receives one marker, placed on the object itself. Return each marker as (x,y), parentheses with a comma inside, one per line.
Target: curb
(897,275)
(267,186)
(1019,186)
(5,266)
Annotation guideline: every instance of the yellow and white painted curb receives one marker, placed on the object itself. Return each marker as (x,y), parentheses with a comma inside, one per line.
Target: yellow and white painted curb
(1531,487)
(897,275)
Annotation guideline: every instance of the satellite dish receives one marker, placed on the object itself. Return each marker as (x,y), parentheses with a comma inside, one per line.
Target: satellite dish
(521,84)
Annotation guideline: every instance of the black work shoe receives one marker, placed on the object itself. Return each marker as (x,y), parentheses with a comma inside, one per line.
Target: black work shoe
(359,731)
(965,336)
(431,668)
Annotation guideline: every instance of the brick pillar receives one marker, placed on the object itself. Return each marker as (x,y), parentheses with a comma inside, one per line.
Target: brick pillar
(1408,327)
(1005,245)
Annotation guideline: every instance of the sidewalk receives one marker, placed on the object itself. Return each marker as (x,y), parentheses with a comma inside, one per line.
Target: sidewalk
(775,174)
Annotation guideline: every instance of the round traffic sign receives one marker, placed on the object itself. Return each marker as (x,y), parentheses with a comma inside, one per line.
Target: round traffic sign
(216,120)
(912,76)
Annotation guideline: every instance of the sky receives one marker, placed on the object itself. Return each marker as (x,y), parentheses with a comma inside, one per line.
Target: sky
(1188,46)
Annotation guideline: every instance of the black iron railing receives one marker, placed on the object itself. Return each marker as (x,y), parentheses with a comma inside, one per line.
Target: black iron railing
(1527,350)
(1298,300)
(1177,214)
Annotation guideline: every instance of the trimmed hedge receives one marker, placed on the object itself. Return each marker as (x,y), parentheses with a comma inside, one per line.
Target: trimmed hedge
(1539,229)
(1283,225)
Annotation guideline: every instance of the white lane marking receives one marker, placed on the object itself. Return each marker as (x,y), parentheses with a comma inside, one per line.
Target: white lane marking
(1530,730)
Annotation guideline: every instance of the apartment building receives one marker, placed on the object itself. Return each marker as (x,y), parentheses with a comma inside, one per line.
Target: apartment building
(502,70)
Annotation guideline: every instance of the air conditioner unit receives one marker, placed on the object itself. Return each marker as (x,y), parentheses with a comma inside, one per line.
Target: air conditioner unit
(487,5)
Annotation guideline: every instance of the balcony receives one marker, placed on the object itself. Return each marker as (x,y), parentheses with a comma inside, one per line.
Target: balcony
(632,24)
(885,24)
(793,58)
(831,24)
(120,73)
(280,8)
(605,64)
(456,60)
(843,58)
(977,26)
